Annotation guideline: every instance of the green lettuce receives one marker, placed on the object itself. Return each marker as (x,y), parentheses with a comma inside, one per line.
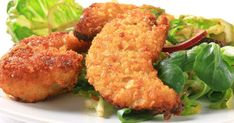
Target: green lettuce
(41,17)
(128,115)
(172,75)
(187,26)
(191,106)
(204,60)
(195,88)
(221,99)
(228,54)
(83,87)
(210,67)
(179,31)
(104,109)
(203,23)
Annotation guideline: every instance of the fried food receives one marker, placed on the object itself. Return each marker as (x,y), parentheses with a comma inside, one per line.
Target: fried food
(119,63)
(39,67)
(94,18)
(97,15)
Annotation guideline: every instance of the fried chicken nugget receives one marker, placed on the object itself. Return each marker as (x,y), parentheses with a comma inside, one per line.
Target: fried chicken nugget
(39,67)
(94,18)
(119,63)
(97,15)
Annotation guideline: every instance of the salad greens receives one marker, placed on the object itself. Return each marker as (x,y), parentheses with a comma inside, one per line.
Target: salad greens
(104,109)
(191,106)
(83,87)
(40,17)
(228,54)
(205,61)
(94,100)
(186,26)
(195,88)
(205,70)
(172,75)
(128,115)
(212,69)
(221,99)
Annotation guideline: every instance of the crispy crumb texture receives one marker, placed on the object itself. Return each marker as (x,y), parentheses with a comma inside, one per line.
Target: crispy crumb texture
(39,67)
(119,63)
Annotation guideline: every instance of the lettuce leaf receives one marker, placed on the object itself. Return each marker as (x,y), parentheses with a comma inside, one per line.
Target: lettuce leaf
(179,31)
(212,69)
(221,99)
(40,17)
(191,106)
(200,22)
(195,88)
(172,75)
(205,61)
(83,87)
(104,109)
(186,26)
(128,115)
(228,54)
(205,69)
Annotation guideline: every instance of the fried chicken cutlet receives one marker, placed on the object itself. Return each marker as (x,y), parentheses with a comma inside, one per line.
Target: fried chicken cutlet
(39,67)
(98,14)
(119,63)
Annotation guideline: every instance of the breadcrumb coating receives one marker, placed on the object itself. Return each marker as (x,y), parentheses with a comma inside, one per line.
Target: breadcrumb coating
(97,15)
(39,67)
(119,63)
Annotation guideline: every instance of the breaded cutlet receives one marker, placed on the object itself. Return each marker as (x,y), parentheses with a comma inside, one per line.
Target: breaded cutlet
(40,66)
(119,63)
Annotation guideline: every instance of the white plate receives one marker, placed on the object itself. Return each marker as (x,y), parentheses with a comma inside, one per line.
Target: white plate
(70,108)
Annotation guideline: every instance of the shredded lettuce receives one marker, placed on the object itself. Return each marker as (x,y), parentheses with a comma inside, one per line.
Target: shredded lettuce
(191,106)
(179,31)
(221,99)
(128,115)
(203,23)
(104,109)
(186,26)
(41,17)
(195,88)
(83,87)
(94,100)
(228,54)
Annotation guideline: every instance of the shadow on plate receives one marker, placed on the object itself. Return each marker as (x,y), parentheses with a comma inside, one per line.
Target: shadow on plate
(64,103)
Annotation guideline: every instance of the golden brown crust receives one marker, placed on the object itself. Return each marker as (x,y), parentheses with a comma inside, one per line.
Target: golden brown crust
(39,67)
(97,15)
(57,40)
(119,63)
